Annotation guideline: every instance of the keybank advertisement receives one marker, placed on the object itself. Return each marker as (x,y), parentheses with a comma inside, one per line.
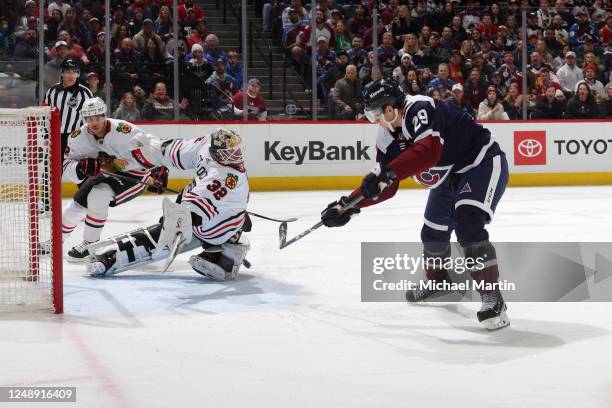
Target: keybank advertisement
(294,150)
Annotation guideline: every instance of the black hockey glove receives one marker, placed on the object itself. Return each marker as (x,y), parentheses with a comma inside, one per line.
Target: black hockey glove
(159,175)
(87,168)
(332,216)
(376,181)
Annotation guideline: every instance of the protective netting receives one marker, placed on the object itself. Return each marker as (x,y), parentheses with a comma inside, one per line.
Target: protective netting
(26,265)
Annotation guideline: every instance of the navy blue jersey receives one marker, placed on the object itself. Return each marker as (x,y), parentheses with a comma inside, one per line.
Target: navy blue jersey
(465,143)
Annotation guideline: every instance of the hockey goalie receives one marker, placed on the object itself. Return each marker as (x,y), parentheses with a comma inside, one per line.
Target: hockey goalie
(209,213)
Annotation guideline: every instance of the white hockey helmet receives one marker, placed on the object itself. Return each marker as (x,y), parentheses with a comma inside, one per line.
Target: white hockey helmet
(225,147)
(93,107)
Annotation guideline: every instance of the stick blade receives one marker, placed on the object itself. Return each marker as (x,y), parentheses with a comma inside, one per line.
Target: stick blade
(282,234)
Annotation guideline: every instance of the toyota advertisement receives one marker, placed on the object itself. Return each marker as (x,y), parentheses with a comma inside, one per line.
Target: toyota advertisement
(555,147)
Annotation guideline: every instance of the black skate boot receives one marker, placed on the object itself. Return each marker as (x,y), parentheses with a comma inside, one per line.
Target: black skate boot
(79,253)
(492,313)
(421,294)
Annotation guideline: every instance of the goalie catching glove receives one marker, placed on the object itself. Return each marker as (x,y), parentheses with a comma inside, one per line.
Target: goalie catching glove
(376,181)
(335,215)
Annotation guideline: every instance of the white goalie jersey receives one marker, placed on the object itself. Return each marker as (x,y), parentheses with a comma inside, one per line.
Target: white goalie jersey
(218,193)
(117,143)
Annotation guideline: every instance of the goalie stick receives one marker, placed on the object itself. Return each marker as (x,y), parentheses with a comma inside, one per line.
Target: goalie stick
(282,229)
(144,183)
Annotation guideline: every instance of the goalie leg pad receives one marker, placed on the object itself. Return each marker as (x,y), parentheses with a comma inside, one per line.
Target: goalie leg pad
(221,266)
(128,251)
(123,252)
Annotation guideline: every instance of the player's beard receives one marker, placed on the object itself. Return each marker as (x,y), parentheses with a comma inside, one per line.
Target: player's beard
(389,124)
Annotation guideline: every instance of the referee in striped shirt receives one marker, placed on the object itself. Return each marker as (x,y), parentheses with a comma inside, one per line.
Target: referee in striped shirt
(68,96)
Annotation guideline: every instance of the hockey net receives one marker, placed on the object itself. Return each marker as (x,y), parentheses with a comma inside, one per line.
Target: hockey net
(30,210)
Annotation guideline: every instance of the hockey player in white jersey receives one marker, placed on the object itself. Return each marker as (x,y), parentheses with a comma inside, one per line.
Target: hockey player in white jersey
(215,202)
(100,144)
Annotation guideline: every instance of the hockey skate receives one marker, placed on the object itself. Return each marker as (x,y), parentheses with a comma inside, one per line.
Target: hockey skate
(492,313)
(422,294)
(425,294)
(79,253)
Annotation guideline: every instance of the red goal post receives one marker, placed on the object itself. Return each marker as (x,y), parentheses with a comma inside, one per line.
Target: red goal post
(30,210)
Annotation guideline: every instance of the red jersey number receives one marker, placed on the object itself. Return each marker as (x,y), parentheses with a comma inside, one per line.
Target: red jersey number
(218,190)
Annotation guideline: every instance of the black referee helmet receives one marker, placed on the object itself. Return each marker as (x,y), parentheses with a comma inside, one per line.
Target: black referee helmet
(70,64)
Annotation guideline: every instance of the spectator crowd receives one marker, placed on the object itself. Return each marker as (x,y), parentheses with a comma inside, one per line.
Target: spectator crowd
(468,53)
(142,48)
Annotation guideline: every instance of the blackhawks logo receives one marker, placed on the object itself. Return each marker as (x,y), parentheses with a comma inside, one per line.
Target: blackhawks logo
(124,128)
(75,133)
(231,181)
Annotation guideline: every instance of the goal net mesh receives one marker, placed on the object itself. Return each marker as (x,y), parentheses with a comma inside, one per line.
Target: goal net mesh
(26,263)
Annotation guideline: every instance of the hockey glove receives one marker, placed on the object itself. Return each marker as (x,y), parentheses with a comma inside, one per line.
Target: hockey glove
(159,175)
(335,215)
(376,181)
(87,168)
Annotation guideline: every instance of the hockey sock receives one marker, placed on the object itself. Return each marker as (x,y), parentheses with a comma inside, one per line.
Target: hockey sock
(489,272)
(73,214)
(97,211)
(435,254)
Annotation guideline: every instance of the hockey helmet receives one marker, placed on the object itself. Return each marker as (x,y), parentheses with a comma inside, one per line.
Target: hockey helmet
(93,107)
(380,93)
(225,147)
(70,64)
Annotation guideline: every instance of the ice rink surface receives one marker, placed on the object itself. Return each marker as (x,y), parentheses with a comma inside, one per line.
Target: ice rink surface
(292,331)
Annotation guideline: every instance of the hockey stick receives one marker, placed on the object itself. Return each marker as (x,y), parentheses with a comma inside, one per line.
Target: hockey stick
(292,219)
(135,180)
(127,178)
(282,230)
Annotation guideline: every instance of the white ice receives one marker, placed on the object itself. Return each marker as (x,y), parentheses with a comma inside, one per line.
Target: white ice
(292,331)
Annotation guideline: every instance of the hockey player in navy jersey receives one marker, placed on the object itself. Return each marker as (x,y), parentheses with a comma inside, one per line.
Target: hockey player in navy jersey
(459,161)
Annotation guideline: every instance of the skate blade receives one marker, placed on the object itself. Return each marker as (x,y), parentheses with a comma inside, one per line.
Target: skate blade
(496,323)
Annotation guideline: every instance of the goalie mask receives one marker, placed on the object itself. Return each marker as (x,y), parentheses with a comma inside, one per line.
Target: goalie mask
(225,147)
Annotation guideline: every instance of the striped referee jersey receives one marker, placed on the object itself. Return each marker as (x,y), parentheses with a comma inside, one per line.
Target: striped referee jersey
(69,101)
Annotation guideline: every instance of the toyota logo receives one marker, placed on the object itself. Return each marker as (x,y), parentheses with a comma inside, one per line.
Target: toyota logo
(529,148)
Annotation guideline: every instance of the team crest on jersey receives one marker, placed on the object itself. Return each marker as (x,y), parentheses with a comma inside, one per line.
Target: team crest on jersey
(124,128)
(75,133)
(433,177)
(231,181)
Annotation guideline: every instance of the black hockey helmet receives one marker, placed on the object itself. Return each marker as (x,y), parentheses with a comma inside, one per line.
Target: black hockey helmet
(69,64)
(380,93)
